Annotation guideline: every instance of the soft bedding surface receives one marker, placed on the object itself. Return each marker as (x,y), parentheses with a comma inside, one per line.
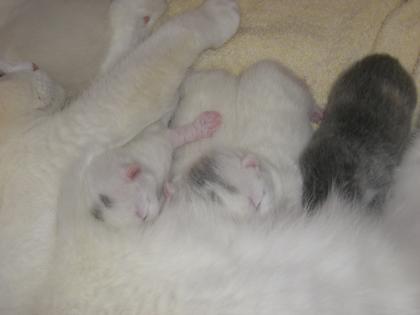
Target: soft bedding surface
(318,38)
(315,38)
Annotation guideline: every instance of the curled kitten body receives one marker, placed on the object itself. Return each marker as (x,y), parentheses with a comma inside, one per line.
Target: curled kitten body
(123,187)
(239,183)
(364,133)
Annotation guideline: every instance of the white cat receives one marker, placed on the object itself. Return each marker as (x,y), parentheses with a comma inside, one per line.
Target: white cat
(136,92)
(198,258)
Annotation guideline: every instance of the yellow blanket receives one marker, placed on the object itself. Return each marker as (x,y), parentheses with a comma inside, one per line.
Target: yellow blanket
(318,38)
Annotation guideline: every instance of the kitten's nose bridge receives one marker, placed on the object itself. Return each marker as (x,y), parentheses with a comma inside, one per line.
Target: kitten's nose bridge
(133,171)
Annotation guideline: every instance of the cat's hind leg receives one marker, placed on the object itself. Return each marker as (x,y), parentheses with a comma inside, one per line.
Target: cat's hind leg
(131,22)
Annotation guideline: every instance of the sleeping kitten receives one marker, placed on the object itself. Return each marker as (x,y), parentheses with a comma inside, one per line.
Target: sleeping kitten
(124,186)
(239,182)
(38,149)
(363,135)
(266,112)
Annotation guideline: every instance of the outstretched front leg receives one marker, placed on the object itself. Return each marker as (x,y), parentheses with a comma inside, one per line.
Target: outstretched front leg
(204,126)
(140,90)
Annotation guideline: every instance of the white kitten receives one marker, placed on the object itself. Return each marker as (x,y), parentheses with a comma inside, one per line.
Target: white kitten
(266,111)
(123,187)
(137,92)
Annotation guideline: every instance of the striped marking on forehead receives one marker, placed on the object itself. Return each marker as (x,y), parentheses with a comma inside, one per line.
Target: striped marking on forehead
(205,172)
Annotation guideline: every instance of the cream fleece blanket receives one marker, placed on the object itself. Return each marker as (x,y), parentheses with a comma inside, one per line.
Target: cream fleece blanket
(318,38)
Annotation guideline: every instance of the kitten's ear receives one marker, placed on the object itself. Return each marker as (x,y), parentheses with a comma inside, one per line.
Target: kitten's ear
(132,171)
(168,190)
(250,161)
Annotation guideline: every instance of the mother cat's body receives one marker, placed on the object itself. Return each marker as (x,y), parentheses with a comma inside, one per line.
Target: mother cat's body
(201,258)
(36,148)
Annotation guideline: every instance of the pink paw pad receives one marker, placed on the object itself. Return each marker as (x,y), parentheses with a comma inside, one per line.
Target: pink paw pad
(208,122)
(317,116)
(250,161)
(133,171)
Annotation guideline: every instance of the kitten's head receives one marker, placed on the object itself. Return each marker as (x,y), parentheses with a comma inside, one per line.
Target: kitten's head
(25,90)
(236,182)
(121,191)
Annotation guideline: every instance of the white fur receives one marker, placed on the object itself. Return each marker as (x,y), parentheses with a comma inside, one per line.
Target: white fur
(266,110)
(241,182)
(123,187)
(403,207)
(196,260)
(125,34)
(135,93)
(193,260)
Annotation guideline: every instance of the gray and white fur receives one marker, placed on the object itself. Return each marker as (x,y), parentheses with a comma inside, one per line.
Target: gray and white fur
(364,133)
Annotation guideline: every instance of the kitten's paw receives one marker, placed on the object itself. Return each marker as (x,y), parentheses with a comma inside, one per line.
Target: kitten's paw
(148,210)
(207,123)
(216,21)
(6,67)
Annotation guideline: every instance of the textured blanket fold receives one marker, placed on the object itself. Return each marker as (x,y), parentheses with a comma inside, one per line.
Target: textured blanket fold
(315,38)
(318,38)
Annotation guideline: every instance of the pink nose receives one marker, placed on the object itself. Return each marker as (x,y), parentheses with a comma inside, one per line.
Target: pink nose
(141,213)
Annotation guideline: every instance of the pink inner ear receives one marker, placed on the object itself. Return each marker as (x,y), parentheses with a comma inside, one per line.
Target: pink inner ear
(250,161)
(133,171)
(168,190)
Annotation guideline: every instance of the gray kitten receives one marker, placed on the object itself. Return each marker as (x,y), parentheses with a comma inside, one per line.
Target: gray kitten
(365,130)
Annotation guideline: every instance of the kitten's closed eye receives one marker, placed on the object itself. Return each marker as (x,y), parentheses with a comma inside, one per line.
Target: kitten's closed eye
(106,201)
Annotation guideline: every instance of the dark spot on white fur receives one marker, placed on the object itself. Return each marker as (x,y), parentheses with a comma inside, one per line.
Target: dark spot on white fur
(97,214)
(205,172)
(214,197)
(105,200)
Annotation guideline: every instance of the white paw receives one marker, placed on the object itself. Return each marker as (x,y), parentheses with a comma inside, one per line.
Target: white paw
(216,21)
(6,67)
(131,22)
